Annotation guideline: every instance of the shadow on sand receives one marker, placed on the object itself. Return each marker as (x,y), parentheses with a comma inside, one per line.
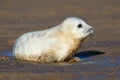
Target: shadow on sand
(86,54)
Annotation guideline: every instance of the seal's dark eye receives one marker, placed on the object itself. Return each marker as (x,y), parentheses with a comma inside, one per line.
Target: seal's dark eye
(79,25)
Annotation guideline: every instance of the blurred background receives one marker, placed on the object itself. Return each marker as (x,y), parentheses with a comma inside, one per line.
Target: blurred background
(21,16)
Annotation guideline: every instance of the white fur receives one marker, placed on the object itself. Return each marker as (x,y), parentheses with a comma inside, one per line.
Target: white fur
(52,44)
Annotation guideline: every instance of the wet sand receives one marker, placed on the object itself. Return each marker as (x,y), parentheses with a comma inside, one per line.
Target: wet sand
(100,53)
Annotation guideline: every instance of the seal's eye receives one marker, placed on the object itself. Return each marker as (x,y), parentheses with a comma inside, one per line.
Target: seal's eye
(79,25)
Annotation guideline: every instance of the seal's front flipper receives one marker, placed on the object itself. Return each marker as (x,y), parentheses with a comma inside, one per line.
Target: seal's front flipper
(74,59)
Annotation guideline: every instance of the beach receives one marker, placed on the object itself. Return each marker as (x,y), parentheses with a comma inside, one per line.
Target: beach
(100,53)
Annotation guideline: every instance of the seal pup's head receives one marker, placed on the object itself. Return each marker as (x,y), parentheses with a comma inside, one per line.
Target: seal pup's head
(77,27)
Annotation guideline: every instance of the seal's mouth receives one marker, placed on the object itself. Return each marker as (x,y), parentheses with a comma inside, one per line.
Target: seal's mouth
(91,31)
(88,32)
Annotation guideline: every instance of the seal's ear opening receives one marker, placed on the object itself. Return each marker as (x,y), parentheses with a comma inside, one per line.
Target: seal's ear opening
(86,54)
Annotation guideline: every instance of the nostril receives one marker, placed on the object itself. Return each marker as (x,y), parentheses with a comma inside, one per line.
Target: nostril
(90,29)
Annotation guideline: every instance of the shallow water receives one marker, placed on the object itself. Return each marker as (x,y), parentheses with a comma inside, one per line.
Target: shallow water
(8,53)
(82,55)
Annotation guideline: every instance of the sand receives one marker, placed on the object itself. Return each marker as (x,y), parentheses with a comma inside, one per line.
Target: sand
(100,53)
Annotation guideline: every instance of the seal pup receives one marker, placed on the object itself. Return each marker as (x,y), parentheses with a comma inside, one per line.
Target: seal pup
(56,44)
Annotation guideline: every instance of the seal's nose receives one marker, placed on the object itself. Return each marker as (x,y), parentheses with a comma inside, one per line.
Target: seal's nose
(91,30)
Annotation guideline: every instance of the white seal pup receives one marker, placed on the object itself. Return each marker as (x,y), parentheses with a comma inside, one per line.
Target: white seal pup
(56,44)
